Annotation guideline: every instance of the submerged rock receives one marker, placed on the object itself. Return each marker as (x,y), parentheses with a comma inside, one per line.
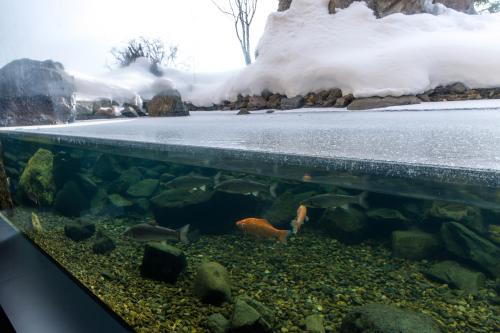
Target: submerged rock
(37,183)
(162,262)
(469,246)
(381,318)
(119,202)
(79,231)
(106,168)
(103,243)
(145,188)
(456,276)
(456,212)
(348,225)
(314,324)
(251,316)
(70,201)
(212,283)
(217,323)
(381,102)
(415,244)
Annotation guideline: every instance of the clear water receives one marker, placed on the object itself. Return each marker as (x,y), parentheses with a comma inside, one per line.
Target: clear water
(344,256)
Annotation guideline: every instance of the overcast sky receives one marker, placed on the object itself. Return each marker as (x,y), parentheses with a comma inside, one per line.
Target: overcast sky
(80,33)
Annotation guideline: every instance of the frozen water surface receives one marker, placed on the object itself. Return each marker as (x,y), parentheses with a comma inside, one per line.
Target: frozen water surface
(441,152)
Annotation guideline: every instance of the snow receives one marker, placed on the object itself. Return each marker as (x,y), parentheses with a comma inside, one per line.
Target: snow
(305,49)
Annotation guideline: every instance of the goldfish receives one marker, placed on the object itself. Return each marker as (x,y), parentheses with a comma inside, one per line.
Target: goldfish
(262,228)
(300,219)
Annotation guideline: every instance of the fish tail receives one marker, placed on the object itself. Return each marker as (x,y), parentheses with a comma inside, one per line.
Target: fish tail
(362,200)
(272,189)
(283,235)
(183,234)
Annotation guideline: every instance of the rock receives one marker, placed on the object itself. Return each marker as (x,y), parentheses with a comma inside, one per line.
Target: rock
(256,103)
(84,110)
(162,262)
(331,98)
(243,111)
(130,176)
(279,212)
(35,93)
(145,188)
(456,276)
(347,225)
(292,103)
(103,243)
(86,184)
(251,316)
(70,201)
(381,102)
(167,104)
(106,113)
(217,323)
(65,168)
(457,88)
(37,182)
(456,212)
(212,283)
(344,101)
(106,168)
(129,112)
(118,201)
(415,245)
(469,246)
(381,318)
(314,324)
(79,231)
(274,101)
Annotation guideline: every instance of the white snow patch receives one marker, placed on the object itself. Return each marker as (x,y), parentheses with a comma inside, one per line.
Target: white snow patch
(305,49)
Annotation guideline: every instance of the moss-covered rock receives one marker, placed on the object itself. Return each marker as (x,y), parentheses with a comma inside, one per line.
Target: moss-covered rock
(37,182)
(212,283)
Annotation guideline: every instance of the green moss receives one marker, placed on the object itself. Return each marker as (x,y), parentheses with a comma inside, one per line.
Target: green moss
(37,182)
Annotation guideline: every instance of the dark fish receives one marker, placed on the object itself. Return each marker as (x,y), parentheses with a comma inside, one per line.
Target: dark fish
(190,182)
(245,186)
(331,200)
(145,232)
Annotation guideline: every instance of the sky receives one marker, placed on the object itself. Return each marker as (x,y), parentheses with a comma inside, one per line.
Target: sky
(81,33)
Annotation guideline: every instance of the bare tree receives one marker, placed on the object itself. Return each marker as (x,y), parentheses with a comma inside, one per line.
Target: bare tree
(153,49)
(242,12)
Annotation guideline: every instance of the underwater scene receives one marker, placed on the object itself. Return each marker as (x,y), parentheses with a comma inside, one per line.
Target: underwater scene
(178,248)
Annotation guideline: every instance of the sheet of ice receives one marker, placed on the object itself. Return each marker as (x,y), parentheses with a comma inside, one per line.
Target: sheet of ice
(305,49)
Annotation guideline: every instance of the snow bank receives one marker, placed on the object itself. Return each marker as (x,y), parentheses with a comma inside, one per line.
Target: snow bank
(305,49)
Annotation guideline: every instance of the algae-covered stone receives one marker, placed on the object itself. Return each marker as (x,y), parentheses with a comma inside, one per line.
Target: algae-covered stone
(212,283)
(348,225)
(103,243)
(106,168)
(217,323)
(119,201)
(456,276)
(314,324)
(456,212)
(145,188)
(251,316)
(415,244)
(79,231)
(382,318)
(162,262)
(37,182)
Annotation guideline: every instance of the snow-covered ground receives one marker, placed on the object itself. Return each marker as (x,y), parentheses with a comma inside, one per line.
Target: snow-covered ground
(305,49)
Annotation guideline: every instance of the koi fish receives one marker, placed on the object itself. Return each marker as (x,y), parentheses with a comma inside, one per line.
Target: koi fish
(300,219)
(262,228)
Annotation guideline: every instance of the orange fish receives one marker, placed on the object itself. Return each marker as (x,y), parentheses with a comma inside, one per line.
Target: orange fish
(300,219)
(262,228)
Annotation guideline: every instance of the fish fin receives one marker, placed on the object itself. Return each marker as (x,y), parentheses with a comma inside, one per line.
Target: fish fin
(306,219)
(283,236)
(217,178)
(203,188)
(362,200)
(293,224)
(183,234)
(272,189)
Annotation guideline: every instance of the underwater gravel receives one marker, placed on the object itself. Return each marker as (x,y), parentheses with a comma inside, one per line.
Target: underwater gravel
(311,274)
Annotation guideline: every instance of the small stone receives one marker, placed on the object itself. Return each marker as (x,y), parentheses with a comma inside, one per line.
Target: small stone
(217,323)
(243,111)
(162,262)
(79,231)
(456,276)
(314,324)
(143,189)
(212,283)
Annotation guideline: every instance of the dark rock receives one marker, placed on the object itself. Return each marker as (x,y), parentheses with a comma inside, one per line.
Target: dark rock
(457,88)
(106,168)
(381,102)
(469,246)
(36,184)
(84,110)
(86,184)
(167,104)
(162,262)
(79,231)
(119,202)
(344,101)
(274,101)
(251,316)
(35,93)
(243,111)
(70,201)
(103,243)
(212,283)
(381,318)
(314,324)
(266,94)
(256,103)
(130,176)
(347,225)
(292,103)
(145,188)
(280,213)
(65,168)
(456,276)
(331,99)
(270,111)
(415,245)
(217,323)
(129,112)
(456,212)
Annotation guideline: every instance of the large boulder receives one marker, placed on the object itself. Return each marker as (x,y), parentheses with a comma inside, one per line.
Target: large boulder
(167,104)
(70,201)
(456,276)
(348,225)
(36,184)
(212,283)
(415,244)
(383,318)
(35,92)
(469,246)
(251,316)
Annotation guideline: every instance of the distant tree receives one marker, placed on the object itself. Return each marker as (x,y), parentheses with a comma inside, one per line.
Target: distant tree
(152,49)
(242,12)
(491,6)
